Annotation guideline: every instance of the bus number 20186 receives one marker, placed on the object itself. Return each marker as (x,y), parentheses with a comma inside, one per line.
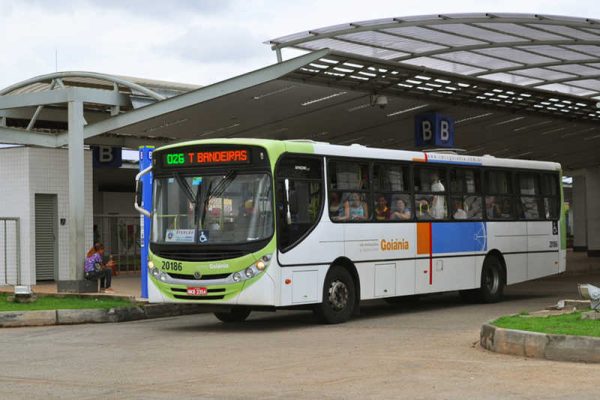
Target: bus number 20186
(172,266)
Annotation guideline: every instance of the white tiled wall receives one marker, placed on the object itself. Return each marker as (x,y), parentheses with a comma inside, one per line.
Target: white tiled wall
(118,203)
(14,187)
(26,171)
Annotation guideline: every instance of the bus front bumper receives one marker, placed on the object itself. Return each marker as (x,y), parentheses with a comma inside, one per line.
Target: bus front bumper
(259,291)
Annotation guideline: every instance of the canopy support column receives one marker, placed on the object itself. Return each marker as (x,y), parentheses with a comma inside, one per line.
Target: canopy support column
(579,213)
(74,280)
(592,193)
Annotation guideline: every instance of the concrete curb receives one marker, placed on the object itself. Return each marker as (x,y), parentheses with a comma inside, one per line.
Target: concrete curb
(540,345)
(98,315)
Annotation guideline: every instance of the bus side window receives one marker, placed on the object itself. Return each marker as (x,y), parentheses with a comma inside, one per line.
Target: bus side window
(499,195)
(348,194)
(551,196)
(529,191)
(392,196)
(465,189)
(430,193)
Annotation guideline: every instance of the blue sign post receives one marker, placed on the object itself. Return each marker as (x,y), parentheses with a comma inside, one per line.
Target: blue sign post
(434,130)
(145,162)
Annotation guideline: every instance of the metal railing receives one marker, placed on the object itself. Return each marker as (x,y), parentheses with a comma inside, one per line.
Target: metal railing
(120,235)
(10,252)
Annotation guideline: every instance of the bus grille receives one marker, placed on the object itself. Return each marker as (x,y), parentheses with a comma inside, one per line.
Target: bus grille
(191,277)
(205,255)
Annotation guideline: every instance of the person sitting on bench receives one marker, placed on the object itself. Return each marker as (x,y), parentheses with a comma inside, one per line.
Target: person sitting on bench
(95,268)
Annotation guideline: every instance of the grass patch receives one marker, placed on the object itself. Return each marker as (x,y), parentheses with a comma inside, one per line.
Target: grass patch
(566,324)
(56,303)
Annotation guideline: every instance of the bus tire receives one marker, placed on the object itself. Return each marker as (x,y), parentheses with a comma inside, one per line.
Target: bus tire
(339,297)
(492,283)
(236,314)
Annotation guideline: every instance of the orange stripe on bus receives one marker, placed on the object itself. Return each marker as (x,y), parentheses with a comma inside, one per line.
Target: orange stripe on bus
(423,238)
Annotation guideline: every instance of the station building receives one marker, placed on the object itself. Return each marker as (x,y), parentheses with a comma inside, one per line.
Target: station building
(515,86)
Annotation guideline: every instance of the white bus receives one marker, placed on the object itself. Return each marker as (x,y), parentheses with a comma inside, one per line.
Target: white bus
(262,224)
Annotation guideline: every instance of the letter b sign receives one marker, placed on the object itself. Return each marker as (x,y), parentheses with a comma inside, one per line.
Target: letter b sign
(427,133)
(105,154)
(107,157)
(434,130)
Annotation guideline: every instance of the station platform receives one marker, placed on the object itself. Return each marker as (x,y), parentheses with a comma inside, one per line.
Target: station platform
(123,285)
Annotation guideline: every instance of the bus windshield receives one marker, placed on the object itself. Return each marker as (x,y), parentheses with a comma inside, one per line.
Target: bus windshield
(227,208)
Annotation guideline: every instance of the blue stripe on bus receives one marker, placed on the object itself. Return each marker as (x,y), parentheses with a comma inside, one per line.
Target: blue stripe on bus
(457,237)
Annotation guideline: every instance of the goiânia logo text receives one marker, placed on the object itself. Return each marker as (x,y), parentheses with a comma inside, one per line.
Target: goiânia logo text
(393,245)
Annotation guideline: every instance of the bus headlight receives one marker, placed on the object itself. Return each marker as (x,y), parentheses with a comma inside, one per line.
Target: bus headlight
(253,270)
(155,272)
(150,265)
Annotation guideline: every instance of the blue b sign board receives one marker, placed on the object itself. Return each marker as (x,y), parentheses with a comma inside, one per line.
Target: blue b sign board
(107,157)
(434,130)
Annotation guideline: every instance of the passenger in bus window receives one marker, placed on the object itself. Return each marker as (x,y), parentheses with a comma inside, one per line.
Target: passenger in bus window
(529,208)
(359,210)
(436,184)
(473,207)
(401,211)
(492,208)
(438,203)
(459,212)
(423,207)
(382,211)
(338,210)
(506,209)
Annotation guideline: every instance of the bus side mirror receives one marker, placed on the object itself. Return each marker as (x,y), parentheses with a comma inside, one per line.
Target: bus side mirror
(288,213)
(139,190)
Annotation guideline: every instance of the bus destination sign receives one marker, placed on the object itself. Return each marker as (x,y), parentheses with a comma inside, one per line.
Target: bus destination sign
(206,157)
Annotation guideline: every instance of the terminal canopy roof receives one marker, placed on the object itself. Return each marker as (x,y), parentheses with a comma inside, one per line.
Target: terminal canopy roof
(334,94)
(537,51)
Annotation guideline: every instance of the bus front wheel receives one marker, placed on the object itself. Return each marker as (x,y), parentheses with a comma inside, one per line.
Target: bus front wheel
(236,314)
(339,297)
(492,283)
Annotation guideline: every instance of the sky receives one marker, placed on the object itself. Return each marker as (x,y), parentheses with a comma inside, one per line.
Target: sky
(198,42)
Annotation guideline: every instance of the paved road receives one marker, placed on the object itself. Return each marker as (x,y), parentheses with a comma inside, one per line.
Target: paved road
(419,352)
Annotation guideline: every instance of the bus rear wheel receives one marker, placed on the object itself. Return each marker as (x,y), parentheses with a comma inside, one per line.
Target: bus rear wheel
(236,314)
(492,283)
(339,297)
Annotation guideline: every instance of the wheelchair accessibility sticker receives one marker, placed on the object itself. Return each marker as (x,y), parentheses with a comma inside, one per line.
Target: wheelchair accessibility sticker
(203,236)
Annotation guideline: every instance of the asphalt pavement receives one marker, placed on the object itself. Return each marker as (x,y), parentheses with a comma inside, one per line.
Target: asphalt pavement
(427,350)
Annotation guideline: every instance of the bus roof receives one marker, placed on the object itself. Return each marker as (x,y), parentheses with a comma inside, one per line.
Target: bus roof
(360,151)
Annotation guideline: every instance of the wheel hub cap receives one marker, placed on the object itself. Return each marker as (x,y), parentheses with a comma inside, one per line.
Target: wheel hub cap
(338,295)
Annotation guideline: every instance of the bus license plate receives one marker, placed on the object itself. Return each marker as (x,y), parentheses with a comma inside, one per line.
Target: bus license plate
(197,291)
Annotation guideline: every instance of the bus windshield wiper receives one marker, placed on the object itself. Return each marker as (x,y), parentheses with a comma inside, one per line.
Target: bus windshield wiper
(185,187)
(208,195)
(223,184)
